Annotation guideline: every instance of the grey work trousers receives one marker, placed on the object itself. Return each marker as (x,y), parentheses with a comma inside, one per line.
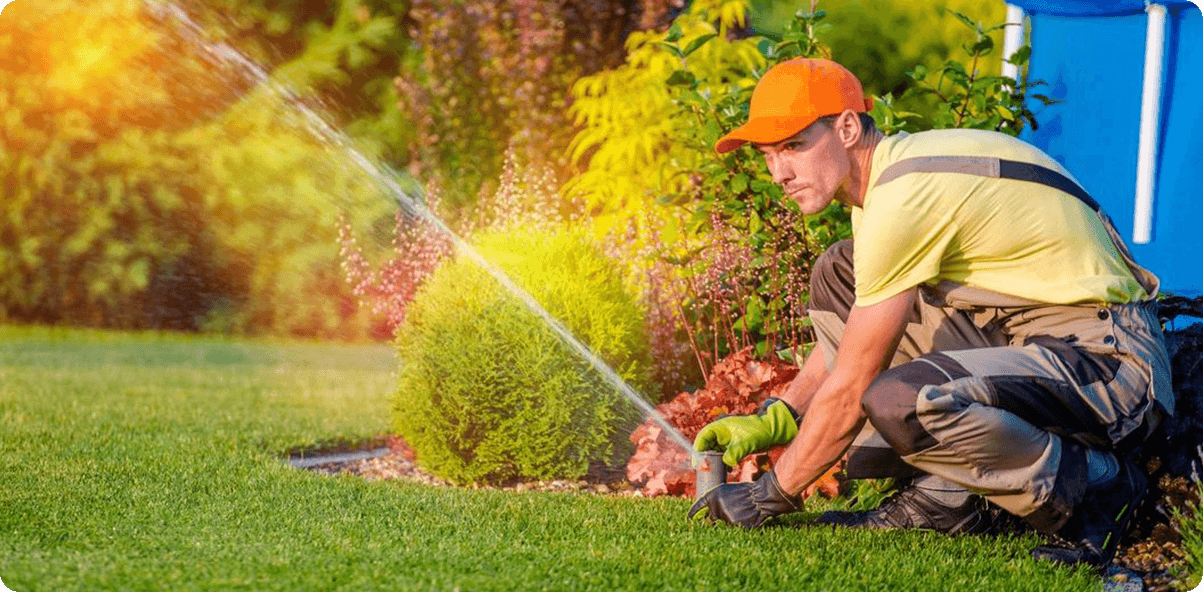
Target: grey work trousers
(1001,396)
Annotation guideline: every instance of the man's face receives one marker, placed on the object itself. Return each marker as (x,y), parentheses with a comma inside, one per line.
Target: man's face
(812,166)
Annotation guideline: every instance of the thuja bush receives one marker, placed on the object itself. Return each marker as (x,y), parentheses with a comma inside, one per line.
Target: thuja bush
(526,198)
(487,391)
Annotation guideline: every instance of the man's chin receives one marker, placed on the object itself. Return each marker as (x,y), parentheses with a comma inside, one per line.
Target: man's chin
(810,207)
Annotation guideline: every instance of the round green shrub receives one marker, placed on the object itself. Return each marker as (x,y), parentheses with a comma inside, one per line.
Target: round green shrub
(488,393)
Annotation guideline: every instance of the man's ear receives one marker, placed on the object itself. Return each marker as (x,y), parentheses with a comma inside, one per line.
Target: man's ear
(848,128)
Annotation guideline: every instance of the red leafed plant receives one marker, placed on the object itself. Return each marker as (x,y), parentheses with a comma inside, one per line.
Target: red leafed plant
(737,385)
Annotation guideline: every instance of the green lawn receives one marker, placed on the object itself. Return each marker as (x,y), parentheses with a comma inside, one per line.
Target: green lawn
(153,462)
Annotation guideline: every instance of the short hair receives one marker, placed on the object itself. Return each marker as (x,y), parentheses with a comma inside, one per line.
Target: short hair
(828,121)
(866,121)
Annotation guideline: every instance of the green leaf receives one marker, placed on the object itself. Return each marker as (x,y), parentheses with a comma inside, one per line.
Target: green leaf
(953,66)
(699,42)
(979,101)
(813,17)
(739,183)
(760,185)
(753,320)
(982,47)
(1021,55)
(755,310)
(671,47)
(682,78)
(783,46)
(674,33)
(766,48)
(693,97)
(968,21)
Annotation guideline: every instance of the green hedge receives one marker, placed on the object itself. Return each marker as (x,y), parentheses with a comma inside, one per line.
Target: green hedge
(488,393)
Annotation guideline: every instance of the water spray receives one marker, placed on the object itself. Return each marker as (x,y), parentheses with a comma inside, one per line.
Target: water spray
(389,181)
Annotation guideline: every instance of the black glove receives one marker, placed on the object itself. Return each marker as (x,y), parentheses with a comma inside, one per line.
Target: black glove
(747,504)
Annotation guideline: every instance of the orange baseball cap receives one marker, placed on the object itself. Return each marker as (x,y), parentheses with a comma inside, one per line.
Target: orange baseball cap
(791,96)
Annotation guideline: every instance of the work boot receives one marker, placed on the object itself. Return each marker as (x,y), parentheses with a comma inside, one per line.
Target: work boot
(1099,520)
(928,503)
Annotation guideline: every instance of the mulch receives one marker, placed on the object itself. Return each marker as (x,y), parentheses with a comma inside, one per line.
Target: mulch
(399,464)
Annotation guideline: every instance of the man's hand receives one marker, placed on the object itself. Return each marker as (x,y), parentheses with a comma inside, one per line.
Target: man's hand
(747,504)
(739,436)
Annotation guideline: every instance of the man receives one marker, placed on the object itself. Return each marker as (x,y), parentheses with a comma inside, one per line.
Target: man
(985,337)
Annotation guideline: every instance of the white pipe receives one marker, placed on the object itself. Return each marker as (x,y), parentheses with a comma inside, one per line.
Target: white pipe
(1012,39)
(1150,126)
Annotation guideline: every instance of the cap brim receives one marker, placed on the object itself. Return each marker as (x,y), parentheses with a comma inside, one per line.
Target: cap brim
(763,130)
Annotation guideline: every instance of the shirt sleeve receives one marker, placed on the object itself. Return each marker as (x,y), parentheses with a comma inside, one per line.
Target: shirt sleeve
(898,248)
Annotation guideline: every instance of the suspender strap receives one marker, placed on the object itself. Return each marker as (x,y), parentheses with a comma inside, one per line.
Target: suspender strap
(987,166)
(1026,171)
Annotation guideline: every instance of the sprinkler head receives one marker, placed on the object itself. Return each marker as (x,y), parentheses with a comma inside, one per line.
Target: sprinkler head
(709,470)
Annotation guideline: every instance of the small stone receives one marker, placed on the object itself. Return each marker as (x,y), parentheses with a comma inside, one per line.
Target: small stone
(1122,580)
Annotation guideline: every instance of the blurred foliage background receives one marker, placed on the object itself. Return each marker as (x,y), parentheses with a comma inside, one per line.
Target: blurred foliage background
(881,41)
(151,181)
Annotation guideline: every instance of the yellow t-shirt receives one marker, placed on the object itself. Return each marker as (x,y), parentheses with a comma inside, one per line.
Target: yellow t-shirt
(1019,238)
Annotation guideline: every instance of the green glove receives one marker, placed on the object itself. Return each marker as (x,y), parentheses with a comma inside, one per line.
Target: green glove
(740,435)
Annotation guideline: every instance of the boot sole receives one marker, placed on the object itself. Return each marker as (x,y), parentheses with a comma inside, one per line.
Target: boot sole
(1078,555)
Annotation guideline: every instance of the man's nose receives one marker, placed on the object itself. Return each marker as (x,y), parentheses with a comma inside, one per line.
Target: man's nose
(781,173)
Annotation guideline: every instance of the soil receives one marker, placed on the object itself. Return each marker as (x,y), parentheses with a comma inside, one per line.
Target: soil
(398,464)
